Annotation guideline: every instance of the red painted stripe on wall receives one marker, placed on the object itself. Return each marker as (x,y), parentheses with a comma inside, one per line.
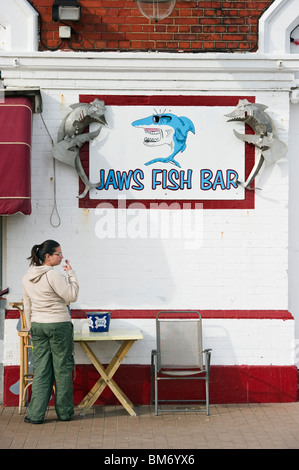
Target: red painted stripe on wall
(145,314)
(167,100)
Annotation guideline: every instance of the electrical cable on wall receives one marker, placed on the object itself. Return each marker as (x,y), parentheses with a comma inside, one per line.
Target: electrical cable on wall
(54,170)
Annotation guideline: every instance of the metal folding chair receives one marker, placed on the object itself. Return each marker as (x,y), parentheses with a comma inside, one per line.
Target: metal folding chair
(179,355)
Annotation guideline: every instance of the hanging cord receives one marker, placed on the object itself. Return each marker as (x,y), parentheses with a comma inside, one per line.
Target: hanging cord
(55,210)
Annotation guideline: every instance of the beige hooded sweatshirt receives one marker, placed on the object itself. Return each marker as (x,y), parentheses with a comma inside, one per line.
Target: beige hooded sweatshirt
(46,293)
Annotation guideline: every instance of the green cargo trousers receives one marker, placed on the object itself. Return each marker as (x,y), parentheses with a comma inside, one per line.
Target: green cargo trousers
(53,362)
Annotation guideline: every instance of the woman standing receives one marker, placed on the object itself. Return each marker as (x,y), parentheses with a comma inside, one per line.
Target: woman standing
(46,293)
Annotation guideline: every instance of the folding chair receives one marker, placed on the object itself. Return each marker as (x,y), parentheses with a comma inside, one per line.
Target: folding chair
(179,355)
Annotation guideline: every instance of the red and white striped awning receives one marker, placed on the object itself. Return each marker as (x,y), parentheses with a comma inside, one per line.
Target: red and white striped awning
(15,151)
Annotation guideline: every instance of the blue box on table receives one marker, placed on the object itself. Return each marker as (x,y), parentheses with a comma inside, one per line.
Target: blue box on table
(98,322)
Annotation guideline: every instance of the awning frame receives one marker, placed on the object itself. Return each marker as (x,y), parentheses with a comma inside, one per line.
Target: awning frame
(29,92)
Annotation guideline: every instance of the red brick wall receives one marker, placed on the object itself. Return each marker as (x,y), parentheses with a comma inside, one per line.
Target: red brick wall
(194,26)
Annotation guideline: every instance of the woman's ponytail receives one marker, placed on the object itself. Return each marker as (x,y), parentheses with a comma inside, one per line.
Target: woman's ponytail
(34,258)
(38,252)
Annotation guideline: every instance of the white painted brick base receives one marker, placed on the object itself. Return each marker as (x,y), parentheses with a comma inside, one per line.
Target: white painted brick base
(233,342)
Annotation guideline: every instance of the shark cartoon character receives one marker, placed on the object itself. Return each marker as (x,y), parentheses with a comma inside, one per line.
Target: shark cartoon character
(166,129)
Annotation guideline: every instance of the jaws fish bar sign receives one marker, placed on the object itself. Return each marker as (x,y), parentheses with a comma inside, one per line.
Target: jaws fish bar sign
(166,149)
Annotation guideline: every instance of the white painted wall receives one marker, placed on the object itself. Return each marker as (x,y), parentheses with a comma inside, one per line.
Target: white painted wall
(233,341)
(294,222)
(18,26)
(240,264)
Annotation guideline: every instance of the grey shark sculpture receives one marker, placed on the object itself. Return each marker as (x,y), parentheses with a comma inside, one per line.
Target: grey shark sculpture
(269,148)
(71,138)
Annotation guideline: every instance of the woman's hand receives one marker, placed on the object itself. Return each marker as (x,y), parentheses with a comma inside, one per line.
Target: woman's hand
(67,266)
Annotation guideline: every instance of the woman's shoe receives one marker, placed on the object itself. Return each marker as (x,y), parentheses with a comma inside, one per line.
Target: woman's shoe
(28,420)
